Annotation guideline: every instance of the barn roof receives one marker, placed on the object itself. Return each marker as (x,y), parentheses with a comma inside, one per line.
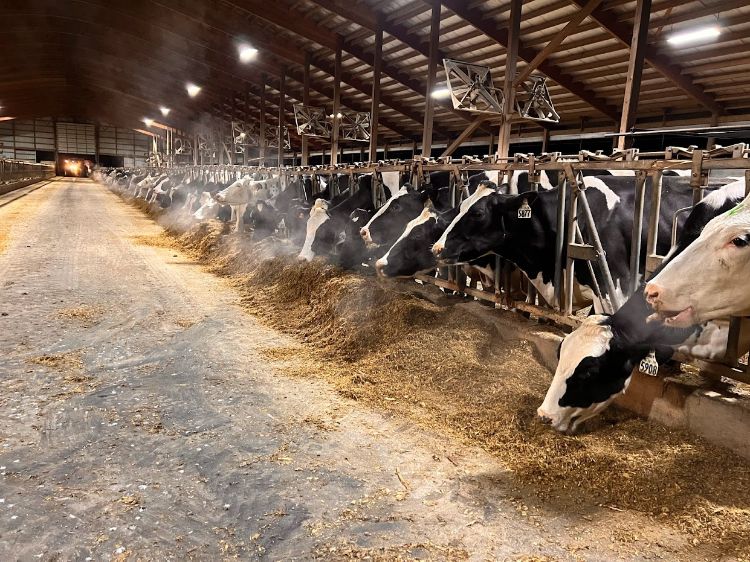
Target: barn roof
(118,61)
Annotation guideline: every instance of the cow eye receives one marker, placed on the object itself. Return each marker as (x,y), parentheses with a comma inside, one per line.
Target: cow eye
(740,242)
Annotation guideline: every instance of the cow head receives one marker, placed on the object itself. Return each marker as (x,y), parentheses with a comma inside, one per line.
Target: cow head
(484,221)
(708,279)
(411,253)
(388,222)
(594,367)
(208,207)
(315,232)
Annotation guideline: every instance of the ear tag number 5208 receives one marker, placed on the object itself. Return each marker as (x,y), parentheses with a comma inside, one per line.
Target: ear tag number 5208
(649,365)
(524,211)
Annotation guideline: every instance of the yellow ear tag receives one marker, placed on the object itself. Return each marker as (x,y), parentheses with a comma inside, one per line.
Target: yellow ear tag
(524,211)
(648,365)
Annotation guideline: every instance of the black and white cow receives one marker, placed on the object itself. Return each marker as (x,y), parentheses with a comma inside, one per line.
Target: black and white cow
(411,253)
(523,228)
(709,279)
(597,359)
(329,222)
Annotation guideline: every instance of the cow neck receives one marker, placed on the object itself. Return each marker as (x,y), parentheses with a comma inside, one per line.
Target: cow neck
(530,261)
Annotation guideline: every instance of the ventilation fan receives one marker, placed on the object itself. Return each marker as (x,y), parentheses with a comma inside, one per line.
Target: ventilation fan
(272,137)
(471,87)
(355,125)
(312,121)
(533,101)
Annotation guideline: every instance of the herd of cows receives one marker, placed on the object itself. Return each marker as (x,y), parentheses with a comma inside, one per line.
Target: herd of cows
(682,308)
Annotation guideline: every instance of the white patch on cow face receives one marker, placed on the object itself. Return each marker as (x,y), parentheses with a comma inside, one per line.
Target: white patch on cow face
(710,343)
(365,231)
(318,217)
(207,208)
(591,339)
(708,279)
(611,197)
(482,191)
(423,217)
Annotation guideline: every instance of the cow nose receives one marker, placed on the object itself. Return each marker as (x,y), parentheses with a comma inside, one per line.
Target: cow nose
(380,266)
(364,233)
(652,293)
(437,249)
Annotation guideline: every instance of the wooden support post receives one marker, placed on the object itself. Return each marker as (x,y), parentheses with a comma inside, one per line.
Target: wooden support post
(375,107)
(245,155)
(432,64)
(545,140)
(306,102)
(711,141)
(635,71)
(97,136)
(282,116)
(262,133)
(514,31)
(336,101)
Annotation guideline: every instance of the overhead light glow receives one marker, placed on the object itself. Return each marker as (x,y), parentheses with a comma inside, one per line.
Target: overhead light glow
(247,52)
(694,35)
(192,89)
(440,93)
(164,110)
(148,121)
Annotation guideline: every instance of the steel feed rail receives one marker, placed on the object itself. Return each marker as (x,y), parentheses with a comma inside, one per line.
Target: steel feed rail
(20,170)
(568,250)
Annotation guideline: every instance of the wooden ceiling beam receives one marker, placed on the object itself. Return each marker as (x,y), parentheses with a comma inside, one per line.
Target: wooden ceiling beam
(623,32)
(490,28)
(279,16)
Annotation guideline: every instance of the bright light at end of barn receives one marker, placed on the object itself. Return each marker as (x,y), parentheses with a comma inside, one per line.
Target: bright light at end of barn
(440,93)
(247,52)
(694,35)
(148,121)
(164,110)
(192,89)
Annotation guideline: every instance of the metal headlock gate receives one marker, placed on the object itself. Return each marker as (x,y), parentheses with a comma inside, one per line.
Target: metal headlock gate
(570,247)
(12,171)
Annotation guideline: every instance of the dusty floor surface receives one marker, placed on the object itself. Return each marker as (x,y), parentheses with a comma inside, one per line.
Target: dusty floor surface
(141,419)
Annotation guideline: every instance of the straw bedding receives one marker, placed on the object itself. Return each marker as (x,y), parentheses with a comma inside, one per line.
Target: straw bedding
(440,365)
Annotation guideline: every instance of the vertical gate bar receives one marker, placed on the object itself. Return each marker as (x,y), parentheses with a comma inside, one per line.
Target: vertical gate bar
(559,245)
(696,174)
(597,243)
(570,238)
(635,241)
(653,223)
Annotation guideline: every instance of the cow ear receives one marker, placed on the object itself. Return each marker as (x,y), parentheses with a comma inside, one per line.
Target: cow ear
(529,197)
(408,187)
(503,188)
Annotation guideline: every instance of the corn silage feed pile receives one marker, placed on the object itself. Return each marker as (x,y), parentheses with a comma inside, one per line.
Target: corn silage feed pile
(379,342)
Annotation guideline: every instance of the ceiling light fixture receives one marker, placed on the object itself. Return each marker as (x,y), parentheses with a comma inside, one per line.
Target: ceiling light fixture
(694,35)
(164,110)
(148,121)
(440,93)
(192,89)
(247,52)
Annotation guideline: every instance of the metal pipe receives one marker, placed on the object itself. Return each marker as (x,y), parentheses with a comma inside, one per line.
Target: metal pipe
(635,240)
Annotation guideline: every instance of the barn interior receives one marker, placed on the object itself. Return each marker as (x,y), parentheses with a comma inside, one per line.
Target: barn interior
(204,354)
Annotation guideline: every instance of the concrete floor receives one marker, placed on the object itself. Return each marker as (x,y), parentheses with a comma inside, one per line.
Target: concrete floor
(177,440)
